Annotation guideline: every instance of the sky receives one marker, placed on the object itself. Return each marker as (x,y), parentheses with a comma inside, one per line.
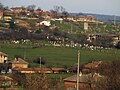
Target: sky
(107,7)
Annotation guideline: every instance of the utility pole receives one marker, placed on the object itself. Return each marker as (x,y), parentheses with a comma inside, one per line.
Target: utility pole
(78,70)
(71,28)
(97,23)
(114,20)
(40,62)
(24,54)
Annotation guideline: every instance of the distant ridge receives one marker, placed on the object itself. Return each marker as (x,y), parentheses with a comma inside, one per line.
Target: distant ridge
(100,17)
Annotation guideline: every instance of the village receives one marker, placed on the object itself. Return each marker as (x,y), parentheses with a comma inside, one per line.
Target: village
(88,77)
(39,50)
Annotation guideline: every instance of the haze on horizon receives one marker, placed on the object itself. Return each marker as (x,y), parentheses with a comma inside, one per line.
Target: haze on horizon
(106,7)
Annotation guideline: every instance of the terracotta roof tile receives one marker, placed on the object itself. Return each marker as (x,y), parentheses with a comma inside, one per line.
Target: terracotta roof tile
(93,64)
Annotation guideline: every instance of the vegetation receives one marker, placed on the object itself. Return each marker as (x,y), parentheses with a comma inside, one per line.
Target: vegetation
(62,56)
(111,72)
(38,82)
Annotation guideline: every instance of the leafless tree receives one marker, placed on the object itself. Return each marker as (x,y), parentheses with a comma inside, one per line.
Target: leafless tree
(111,73)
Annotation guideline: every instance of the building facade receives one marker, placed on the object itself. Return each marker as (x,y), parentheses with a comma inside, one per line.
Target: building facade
(3,57)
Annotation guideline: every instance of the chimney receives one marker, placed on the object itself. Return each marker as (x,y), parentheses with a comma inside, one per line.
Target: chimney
(16,58)
(80,74)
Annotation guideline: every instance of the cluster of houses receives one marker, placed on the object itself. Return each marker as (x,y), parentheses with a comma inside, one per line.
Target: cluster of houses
(89,78)
(18,65)
(44,16)
(21,66)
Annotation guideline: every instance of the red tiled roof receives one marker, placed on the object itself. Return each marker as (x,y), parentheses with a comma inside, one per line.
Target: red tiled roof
(39,69)
(34,69)
(93,64)
(57,69)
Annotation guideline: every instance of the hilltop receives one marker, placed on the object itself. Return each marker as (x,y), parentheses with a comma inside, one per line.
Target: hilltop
(100,17)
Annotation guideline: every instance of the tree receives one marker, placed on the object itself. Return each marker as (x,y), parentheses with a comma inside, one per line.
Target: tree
(80,14)
(54,13)
(65,14)
(31,7)
(39,9)
(40,60)
(1,6)
(59,9)
(111,72)
(17,56)
(37,81)
(12,24)
(6,8)
(118,45)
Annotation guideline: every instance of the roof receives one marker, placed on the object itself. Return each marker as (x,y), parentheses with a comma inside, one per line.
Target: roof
(57,69)
(18,8)
(86,78)
(32,69)
(5,78)
(18,60)
(1,53)
(38,69)
(93,64)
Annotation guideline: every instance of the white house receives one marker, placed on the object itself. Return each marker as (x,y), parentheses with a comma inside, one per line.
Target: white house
(46,23)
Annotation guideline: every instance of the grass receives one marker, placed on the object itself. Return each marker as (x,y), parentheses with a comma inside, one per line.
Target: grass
(62,56)
(31,20)
(66,26)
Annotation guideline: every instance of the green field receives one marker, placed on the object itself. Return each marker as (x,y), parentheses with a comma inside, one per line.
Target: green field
(62,56)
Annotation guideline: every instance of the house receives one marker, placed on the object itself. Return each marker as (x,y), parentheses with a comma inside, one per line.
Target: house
(86,81)
(18,62)
(45,23)
(80,18)
(3,57)
(22,23)
(39,70)
(38,12)
(1,14)
(32,70)
(7,81)
(46,14)
(89,18)
(7,18)
(71,18)
(58,70)
(100,36)
(92,66)
(18,9)
(85,18)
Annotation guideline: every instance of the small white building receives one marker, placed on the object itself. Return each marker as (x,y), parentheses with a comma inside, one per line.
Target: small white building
(46,23)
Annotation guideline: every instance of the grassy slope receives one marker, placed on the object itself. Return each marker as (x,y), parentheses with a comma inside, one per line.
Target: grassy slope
(60,56)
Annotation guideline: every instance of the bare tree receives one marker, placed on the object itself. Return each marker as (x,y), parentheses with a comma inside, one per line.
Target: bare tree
(59,9)
(31,7)
(111,72)
(37,82)
(1,6)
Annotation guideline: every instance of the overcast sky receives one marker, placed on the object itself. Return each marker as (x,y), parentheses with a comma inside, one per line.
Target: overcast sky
(108,7)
